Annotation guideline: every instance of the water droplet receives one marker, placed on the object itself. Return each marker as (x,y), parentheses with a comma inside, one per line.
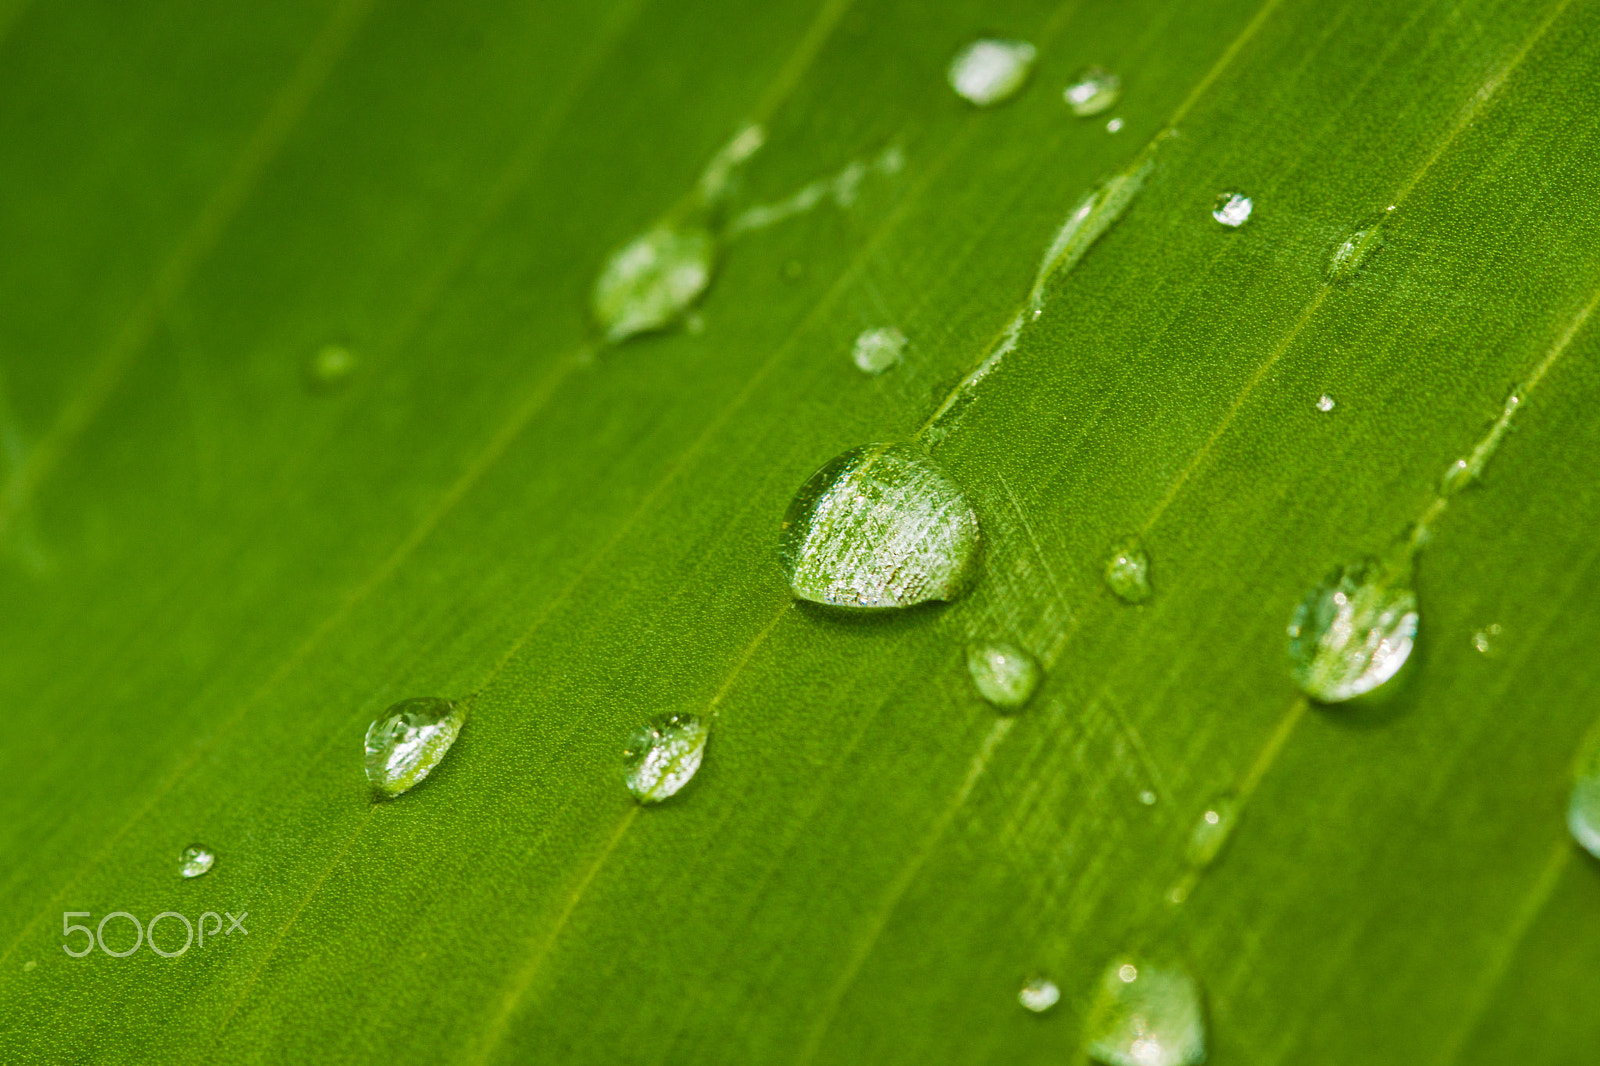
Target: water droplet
(880,526)
(1353,632)
(1148,798)
(195,860)
(1114,126)
(1094,90)
(651,281)
(28,966)
(1352,251)
(1232,209)
(406,744)
(663,754)
(1090,219)
(877,350)
(330,367)
(1469,468)
(1004,674)
(1128,572)
(1325,403)
(1146,1015)
(1486,638)
(988,71)
(1212,830)
(1039,995)
(1583,808)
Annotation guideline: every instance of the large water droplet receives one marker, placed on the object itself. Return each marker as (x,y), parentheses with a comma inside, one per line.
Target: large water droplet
(651,281)
(879,349)
(1128,572)
(1212,830)
(663,754)
(1232,209)
(880,526)
(330,367)
(406,744)
(1352,251)
(1094,90)
(1353,632)
(988,71)
(1004,674)
(195,860)
(1146,1015)
(1039,995)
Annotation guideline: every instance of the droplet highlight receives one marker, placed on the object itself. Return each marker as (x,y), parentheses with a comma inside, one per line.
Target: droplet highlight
(1114,126)
(1325,403)
(195,860)
(1094,90)
(1232,209)
(877,350)
(406,744)
(1212,830)
(880,526)
(1146,1015)
(987,72)
(1004,674)
(1353,632)
(1351,252)
(653,280)
(1039,995)
(662,755)
(1128,572)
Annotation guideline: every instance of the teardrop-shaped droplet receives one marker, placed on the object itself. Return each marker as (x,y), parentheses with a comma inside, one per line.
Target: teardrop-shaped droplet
(1094,90)
(1093,216)
(1348,255)
(1212,830)
(651,281)
(1004,674)
(880,526)
(406,744)
(663,754)
(988,71)
(1128,572)
(195,860)
(1146,1015)
(1039,995)
(1232,209)
(1353,632)
(876,350)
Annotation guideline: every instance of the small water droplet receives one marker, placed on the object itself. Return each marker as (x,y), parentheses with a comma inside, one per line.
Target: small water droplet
(1148,798)
(880,526)
(663,754)
(330,367)
(1353,632)
(1004,674)
(195,860)
(406,744)
(1325,403)
(1114,126)
(1351,252)
(1128,572)
(650,282)
(988,71)
(1039,995)
(1212,830)
(1486,638)
(879,349)
(28,966)
(1094,90)
(1146,1015)
(1232,209)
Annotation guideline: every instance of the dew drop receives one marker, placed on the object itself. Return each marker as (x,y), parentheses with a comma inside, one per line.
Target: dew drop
(1486,639)
(1004,674)
(1114,126)
(1353,632)
(28,966)
(1095,213)
(987,72)
(1325,403)
(1146,1015)
(330,367)
(1232,209)
(406,744)
(1352,251)
(195,860)
(877,350)
(663,754)
(880,526)
(650,282)
(1212,830)
(1039,995)
(1094,90)
(1128,572)
(1148,798)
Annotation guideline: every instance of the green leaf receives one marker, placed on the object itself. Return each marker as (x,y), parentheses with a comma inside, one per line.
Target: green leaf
(221,560)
